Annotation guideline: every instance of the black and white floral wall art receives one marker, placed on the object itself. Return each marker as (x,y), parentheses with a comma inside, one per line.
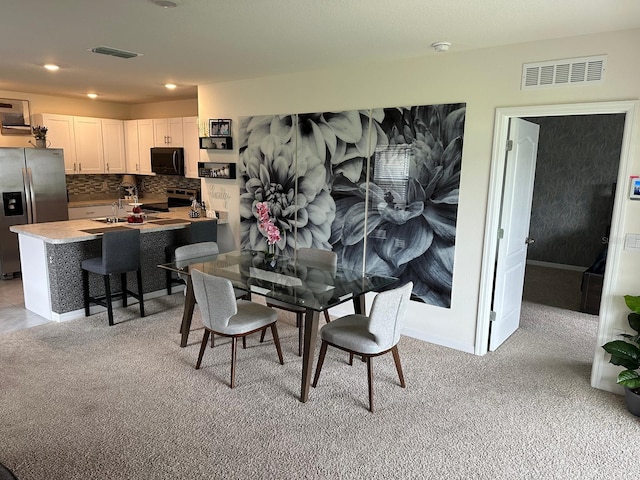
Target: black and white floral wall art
(379,187)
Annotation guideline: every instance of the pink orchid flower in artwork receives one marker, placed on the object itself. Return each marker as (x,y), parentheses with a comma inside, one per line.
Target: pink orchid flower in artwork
(266,225)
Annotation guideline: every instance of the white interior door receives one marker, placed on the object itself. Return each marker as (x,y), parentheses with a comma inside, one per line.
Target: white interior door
(514,224)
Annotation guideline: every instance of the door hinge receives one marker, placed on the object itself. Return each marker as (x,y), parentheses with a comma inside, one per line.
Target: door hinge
(492,316)
(500,233)
(509,145)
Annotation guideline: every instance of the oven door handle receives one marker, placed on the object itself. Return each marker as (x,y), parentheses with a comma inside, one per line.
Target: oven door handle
(174,157)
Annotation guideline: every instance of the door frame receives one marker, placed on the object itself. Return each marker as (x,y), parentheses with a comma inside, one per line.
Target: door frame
(496,181)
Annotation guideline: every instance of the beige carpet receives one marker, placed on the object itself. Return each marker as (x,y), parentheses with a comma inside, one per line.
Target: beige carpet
(81,400)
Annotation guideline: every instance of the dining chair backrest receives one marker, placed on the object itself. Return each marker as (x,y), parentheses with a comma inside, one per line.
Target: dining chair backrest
(195,250)
(215,297)
(387,315)
(315,257)
(121,251)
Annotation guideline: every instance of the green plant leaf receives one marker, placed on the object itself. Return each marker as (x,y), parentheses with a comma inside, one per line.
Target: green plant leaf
(634,321)
(633,302)
(623,353)
(629,378)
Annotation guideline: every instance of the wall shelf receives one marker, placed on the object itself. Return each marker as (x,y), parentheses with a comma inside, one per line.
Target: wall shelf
(216,143)
(216,170)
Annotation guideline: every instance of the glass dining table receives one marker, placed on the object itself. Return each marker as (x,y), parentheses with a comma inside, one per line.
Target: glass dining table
(312,287)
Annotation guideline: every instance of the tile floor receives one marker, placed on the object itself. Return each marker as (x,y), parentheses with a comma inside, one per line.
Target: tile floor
(13,315)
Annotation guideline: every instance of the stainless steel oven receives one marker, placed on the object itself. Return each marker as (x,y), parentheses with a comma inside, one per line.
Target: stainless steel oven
(176,197)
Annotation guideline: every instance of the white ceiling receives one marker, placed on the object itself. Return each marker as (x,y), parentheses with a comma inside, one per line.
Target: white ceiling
(207,41)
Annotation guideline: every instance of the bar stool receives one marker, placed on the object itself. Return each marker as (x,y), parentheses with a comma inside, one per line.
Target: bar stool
(197,232)
(120,254)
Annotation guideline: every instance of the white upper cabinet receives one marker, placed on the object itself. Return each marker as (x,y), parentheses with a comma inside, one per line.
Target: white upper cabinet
(113,146)
(168,132)
(89,150)
(191,146)
(145,143)
(61,135)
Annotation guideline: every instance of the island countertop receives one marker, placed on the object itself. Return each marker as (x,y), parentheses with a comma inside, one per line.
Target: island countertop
(70,231)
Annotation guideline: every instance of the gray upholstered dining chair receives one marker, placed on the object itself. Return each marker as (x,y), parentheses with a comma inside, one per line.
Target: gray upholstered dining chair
(369,336)
(120,254)
(198,231)
(223,315)
(311,257)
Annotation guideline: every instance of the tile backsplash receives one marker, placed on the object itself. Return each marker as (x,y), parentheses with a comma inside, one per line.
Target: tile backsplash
(108,186)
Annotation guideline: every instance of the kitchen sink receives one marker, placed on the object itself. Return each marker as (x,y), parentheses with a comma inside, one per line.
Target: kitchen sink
(109,220)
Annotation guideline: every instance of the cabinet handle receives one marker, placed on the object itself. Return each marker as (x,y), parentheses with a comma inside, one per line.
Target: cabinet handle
(80,167)
(137,168)
(75,167)
(107,167)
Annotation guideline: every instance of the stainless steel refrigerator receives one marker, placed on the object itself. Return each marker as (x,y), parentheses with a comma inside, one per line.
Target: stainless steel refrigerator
(34,190)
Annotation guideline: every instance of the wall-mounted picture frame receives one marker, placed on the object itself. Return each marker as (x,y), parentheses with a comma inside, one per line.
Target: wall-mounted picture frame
(634,194)
(15,116)
(219,127)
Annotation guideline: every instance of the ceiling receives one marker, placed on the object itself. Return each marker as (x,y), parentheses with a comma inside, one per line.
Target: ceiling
(210,41)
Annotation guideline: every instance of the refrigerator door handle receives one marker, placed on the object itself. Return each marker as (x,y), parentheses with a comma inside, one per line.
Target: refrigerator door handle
(32,215)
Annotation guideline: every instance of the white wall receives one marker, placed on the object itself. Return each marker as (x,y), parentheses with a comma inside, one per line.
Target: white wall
(484,79)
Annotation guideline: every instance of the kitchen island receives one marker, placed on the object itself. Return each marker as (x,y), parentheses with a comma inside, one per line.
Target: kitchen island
(51,254)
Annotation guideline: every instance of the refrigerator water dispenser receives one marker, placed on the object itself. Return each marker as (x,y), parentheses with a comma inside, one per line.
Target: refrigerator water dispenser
(12,202)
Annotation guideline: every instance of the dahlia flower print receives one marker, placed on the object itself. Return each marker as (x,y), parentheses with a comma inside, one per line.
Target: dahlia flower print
(278,167)
(412,188)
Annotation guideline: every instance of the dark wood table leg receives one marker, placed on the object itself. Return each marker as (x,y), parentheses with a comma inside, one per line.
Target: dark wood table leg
(310,333)
(189,305)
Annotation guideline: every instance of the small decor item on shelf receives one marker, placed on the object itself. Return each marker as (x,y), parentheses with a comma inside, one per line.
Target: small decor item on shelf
(195,209)
(40,134)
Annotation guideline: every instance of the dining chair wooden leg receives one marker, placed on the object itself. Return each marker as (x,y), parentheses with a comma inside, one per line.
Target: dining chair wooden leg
(327,318)
(323,352)
(234,344)
(350,358)
(203,347)
(264,330)
(276,340)
(370,378)
(213,342)
(396,359)
(244,342)
(85,288)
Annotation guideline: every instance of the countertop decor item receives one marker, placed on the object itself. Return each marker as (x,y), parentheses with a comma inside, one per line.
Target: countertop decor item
(626,353)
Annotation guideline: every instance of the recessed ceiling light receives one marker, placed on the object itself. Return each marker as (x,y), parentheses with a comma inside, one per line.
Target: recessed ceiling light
(92,95)
(170,86)
(51,67)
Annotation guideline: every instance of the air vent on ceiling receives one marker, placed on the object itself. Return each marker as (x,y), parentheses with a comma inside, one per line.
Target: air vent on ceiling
(559,73)
(114,52)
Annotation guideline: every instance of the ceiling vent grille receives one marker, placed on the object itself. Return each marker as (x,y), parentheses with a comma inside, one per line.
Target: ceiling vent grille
(559,73)
(114,52)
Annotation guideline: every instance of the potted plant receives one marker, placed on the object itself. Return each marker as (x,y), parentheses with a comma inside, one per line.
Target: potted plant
(40,134)
(626,353)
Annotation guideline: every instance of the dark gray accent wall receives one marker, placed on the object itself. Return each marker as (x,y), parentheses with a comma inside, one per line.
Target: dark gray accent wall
(576,172)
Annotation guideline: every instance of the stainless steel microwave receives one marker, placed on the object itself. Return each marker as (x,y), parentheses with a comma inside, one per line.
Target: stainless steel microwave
(167,161)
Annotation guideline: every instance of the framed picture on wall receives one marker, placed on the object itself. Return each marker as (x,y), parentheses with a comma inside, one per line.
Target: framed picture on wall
(219,127)
(635,188)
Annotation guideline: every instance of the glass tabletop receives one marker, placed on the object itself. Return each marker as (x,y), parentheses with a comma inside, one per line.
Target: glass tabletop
(286,279)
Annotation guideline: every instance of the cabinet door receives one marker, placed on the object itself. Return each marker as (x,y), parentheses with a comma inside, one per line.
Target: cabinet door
(191,146)
(61,135)
(160,132)
(88,133)
(176,134)
(113,146)
(145,143)
(167,132)
(132,152)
